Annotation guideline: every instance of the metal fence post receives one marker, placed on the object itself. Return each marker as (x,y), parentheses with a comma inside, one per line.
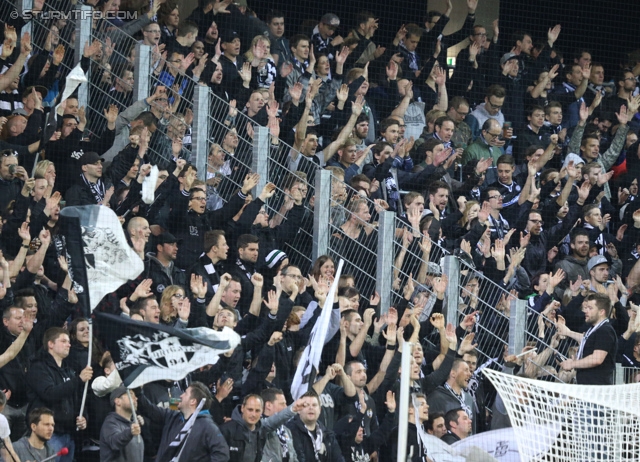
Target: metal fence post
(321,213)
(141,73)
(384,269)
(200,129)
(452,270)
(517,326)
(620,378)
(25,5)
(259,162)
(83,36)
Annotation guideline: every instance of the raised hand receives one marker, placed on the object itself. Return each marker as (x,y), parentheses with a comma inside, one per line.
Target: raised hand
(198,286)
(272,301)
(437,321)
(296,92)
(583,191)
(552,34)
(250,182)
(342,55)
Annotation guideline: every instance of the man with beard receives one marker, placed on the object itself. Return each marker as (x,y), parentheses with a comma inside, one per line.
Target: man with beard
(36,446)
(160,266)
(574,265)
(452,394)
(595,361)
(118,440)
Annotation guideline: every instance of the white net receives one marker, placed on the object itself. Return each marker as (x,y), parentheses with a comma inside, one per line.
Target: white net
(559,422)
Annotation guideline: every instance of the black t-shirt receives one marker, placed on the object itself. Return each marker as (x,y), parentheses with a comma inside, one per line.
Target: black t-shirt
(603,338)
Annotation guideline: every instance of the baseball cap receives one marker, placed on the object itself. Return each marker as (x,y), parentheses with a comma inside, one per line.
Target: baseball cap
(330,19)
(229,36)
(39,88)
(117,393)
(434,269)
(167,238)
(20,111)
(595,261)
(507,56)
(90,158)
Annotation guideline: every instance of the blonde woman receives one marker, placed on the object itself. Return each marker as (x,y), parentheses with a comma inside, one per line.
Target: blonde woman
(47,170)
(259,55)
(175,307)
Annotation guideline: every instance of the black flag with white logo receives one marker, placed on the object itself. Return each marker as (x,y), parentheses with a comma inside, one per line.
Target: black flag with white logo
(144,352)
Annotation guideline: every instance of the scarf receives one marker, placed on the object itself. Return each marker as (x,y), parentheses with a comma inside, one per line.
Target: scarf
(460,398)
(318,446)
(97,189)
(243,268)
(586,336)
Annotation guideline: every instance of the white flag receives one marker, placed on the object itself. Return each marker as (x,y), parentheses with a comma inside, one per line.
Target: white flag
(100,258)
(310,359)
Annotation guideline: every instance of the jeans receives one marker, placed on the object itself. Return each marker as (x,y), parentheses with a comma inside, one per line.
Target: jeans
(59,441)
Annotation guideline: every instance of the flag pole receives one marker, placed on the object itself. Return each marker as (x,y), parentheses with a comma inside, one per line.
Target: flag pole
(405,383)
(133,410)
(86,384)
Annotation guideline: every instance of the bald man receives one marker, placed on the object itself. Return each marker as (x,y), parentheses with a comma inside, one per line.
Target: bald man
(139,232)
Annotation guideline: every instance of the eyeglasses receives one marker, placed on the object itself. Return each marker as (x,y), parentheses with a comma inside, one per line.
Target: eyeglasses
(496,197)
(179,296)
(494,135)
(199,198)
(294,276)
(463,114)
(630,78)
(495,106)
(537,222)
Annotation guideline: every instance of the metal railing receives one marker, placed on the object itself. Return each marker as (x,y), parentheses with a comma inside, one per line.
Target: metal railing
(371,259)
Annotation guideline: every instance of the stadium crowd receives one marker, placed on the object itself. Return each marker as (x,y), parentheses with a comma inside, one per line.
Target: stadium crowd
(523,161)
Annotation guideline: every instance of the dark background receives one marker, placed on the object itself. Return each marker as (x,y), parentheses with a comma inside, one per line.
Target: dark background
(608,28)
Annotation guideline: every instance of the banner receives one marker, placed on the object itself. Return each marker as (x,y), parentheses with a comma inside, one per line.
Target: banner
(310,359)
(144,352)
(500,444)
(99,256)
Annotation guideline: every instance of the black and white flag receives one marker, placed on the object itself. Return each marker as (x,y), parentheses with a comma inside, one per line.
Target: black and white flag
(100,259)
(310,359)
(144,352)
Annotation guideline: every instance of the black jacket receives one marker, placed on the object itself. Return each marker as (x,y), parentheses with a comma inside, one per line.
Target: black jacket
(205,440)
(304,445)
(237,435)
(55,387)
(81,194)
(191,227)
(161,277)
